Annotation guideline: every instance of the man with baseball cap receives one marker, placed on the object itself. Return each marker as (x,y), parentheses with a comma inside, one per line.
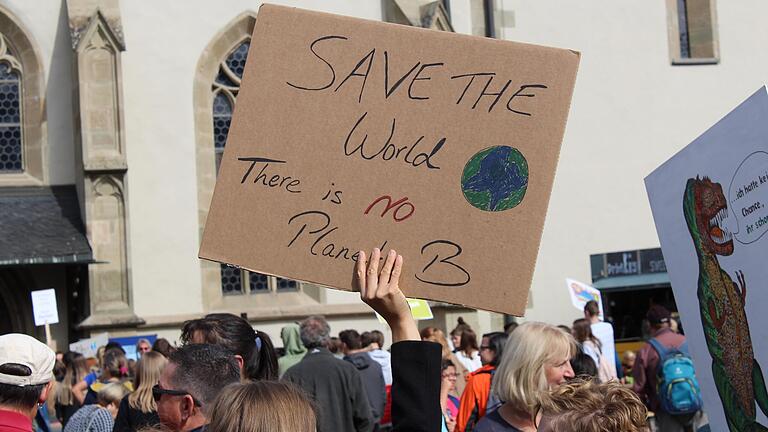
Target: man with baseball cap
(26,375)
(646,368)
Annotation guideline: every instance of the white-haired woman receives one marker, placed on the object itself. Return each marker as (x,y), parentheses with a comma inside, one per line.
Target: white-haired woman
(535,360)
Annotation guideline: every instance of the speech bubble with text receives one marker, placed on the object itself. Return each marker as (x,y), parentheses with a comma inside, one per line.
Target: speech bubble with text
(748,198)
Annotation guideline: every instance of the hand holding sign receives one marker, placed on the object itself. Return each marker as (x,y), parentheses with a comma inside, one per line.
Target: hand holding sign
(380,289)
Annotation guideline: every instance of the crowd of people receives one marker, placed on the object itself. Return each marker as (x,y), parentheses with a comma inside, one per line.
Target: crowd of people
(226,376)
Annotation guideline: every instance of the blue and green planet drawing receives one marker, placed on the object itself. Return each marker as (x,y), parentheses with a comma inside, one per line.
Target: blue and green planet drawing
(495,179)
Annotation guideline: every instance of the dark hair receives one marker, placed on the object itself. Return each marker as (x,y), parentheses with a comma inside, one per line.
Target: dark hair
(582,332)
(583,365)
(510,327)
(315,332)
(468,342)
(460,327)
(351,339)
(496,343)
(163,347)
(565,328)
(203,370)
(592,309)
(22,397)
(115,363)
(59,370)
(236,334)
(114,345)
(445,364)
(370,337)
(334,345)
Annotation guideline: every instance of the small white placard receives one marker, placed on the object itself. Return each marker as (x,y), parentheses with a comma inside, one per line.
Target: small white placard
(582,293)
(44,307)
(90,347)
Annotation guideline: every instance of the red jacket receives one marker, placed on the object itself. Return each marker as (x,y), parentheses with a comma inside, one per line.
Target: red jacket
(474,399)
(646,365)
(11,421)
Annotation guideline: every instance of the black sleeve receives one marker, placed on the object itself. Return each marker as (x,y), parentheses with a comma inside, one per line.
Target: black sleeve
(416,386)
(122,423)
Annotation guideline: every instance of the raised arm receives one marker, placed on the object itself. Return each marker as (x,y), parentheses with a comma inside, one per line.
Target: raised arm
(415,364)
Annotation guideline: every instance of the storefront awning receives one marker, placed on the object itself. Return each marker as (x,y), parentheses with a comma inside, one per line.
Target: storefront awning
(41,225)
(634,281)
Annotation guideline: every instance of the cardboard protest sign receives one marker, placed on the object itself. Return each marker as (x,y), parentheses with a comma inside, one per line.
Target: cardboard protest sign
(351,134)
(710,205)
(44,307)
(582,293)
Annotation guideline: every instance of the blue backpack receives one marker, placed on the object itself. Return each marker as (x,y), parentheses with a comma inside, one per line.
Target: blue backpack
(677,387)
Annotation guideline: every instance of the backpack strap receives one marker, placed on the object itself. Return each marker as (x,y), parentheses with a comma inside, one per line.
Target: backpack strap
(661,350)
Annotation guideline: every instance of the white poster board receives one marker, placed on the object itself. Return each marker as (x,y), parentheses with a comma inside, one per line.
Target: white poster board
(582,293)
(710,206)
(89,347)
(44,307)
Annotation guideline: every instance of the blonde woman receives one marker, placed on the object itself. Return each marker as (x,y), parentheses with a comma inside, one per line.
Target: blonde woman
(535,361)
(262,406)
(66,403)
(139,409)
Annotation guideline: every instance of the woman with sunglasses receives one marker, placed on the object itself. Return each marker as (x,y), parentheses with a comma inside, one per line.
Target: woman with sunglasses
(139,409)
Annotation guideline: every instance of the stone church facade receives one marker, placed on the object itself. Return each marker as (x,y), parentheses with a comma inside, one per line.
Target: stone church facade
(118,116)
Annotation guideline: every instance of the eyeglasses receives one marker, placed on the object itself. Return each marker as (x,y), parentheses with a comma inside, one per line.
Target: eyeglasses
(451,375)
(158,392)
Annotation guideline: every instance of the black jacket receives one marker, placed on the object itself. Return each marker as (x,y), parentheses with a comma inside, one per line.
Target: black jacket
(337,390)
(416,386)
(373,382)
(131,419)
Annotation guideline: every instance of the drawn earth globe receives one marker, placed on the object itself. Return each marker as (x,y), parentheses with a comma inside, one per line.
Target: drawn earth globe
(495,178)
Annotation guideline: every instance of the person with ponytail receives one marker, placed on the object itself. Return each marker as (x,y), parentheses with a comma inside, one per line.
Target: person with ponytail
(253,349)
(114,369)
(65,402)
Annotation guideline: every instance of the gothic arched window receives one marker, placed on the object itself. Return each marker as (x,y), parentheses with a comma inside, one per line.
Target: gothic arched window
(11,145)
(225,89)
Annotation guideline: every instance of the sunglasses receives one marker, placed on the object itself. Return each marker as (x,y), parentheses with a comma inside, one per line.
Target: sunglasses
(158,392)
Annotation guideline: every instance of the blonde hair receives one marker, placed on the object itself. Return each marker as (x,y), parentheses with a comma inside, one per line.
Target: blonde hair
(148,370)
(520,378)
(77,369)
(112,393)
(588,406)
(262,406)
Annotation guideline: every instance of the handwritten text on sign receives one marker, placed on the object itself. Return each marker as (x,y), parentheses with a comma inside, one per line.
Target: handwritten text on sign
(354,134)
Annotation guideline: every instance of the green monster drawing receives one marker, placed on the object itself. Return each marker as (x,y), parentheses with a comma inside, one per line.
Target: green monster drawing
(737,374)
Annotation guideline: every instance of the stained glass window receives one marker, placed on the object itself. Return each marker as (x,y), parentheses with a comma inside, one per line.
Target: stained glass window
(231,280)
(10,119)
(225,88)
